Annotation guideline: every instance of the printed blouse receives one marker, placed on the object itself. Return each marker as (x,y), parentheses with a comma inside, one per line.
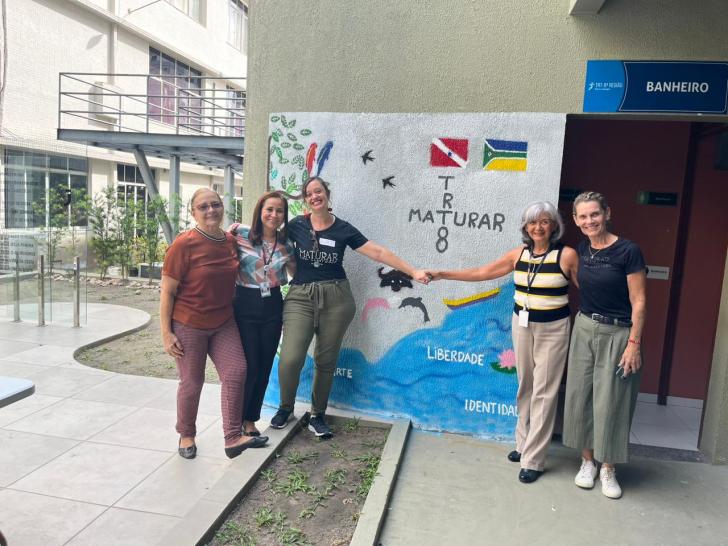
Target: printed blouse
(253,259)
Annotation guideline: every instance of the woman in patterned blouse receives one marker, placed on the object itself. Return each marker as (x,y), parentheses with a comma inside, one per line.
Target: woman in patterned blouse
(266,256)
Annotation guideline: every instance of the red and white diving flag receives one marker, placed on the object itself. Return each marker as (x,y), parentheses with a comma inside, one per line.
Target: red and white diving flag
(449,152)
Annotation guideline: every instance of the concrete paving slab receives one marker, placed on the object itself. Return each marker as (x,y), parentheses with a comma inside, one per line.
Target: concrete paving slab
(26,406)
(9,347)
(124,528)
(128,390)
(75,419)
(149,428)
(176,486)
(461,491)
(64,382)
(209,400)
(43,355)
(93,473)
(33,520)
(23,452)
(20,369)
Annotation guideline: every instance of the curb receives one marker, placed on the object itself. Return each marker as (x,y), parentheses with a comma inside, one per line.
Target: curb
(199,524)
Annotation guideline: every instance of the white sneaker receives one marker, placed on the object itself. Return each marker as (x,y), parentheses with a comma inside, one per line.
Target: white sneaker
(610,485)
(586,475)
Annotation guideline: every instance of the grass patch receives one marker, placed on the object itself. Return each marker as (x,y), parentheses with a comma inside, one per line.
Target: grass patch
(234,533)
(296,457)
(295,482)
(350,425)
(367,472)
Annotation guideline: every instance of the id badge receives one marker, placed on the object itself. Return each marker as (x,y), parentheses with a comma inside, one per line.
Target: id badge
(523,319)
(264,289)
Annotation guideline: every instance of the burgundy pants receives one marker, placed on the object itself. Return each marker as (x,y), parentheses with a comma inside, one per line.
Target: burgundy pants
(224,347)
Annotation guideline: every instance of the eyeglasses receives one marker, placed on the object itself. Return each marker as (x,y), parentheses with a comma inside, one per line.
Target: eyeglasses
(215,205)
(540,223)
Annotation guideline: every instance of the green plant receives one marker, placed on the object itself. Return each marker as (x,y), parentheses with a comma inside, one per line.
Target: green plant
(234,533)
(102,217)
(367,472)
(307,513)
(296,457)
(263,517)
(268,475)
(295,482)
(151,234)
(126,220)
(291,536)
(335,477)
(351,425)
(337,452)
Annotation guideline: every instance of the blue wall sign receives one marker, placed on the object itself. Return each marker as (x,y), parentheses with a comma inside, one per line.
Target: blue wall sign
(656,86)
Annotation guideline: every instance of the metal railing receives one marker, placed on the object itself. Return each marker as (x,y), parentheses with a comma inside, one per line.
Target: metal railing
(153,103)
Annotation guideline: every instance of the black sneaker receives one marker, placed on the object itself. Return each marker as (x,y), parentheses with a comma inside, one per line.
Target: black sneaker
(318,426)
(280,419)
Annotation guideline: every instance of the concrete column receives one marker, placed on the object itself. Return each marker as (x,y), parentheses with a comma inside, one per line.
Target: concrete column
(714,436)
(228,197)
(175,200)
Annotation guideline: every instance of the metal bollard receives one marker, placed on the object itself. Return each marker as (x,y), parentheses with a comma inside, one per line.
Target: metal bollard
(16,290)
(41,290)
(77,292)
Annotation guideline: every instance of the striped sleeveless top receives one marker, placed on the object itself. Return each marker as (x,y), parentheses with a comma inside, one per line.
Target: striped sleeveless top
(548,298)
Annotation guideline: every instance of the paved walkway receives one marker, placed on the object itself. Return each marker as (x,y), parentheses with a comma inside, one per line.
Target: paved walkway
(91,458)
(457,490)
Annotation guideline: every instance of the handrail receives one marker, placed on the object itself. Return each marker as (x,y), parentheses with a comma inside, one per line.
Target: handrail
(217,111)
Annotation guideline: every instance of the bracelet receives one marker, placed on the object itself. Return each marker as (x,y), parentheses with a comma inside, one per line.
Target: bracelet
(635,341)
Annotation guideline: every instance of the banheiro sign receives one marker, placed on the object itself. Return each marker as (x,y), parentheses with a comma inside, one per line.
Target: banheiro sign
(656,86)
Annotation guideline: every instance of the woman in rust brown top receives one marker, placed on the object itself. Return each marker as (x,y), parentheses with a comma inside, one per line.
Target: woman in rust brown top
(196,313)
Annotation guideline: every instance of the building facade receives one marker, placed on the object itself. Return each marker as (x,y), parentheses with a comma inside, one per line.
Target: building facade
(179,51)
(530,56)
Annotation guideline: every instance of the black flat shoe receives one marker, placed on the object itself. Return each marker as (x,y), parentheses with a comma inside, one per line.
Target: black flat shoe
(187,452)
(514,456)
(257,441)
(527,475)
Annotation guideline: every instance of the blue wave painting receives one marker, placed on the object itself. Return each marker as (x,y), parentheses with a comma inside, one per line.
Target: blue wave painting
(446,378)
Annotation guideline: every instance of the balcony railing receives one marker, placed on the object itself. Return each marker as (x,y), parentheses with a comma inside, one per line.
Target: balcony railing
(152,103)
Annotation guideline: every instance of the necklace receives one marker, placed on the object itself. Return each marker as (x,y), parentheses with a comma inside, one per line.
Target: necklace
(592,255)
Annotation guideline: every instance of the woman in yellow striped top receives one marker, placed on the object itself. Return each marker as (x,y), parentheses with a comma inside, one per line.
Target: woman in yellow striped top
(542,269)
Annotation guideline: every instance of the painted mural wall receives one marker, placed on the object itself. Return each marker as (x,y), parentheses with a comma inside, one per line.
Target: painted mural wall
(443,191)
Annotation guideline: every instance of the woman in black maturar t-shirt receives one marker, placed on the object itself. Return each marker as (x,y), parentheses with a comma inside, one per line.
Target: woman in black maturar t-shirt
(604,356)
(320,302)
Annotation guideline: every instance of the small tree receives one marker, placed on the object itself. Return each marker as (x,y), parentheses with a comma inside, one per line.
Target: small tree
(103,219)
(127,221)
(151,232)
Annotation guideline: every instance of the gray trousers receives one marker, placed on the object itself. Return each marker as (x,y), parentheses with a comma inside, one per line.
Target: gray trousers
(325,309)
(540,358)
(599,404)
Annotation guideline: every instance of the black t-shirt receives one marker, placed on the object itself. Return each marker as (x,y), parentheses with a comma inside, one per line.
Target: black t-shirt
(326,263)
(603,278)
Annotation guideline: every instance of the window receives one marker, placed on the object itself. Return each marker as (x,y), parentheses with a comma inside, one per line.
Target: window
(190,7)
(174,90)
(44,190)
(131,190)
(237,25)
(235,111)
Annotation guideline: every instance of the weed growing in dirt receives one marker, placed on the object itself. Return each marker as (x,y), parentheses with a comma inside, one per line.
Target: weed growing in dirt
(337,452)
(296,457)
(295,481)
(373,444)
(268,475)
(351,425)
(234,533)
(368,471)
(263,516)
(292,536)
(335,477)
